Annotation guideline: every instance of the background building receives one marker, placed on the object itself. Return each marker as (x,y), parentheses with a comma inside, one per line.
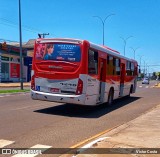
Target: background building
(10,61)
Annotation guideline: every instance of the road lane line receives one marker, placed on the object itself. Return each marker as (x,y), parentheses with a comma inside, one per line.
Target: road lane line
(81,144)
(4,143)
(36,147)
(94,137)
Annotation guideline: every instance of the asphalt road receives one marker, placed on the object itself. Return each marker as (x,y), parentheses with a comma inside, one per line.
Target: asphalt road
(30,122)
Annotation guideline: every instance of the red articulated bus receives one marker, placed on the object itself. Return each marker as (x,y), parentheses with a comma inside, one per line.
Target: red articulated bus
(80,72)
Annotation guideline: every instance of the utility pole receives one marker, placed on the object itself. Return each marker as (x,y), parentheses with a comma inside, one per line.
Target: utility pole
(42,35)
(20,40)
(140,60)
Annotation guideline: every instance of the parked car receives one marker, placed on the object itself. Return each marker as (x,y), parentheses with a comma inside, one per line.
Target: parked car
(145,80)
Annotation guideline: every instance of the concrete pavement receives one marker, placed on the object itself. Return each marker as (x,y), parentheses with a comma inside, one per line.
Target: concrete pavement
(142,132)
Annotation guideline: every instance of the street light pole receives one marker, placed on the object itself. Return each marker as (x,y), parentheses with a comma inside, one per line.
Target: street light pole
(20,38)
(148,71)
(144,67)
(140,59)
(134,50)
(125,42)
(103,22)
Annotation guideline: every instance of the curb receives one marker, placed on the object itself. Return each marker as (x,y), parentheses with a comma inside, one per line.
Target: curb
(12,85)
(157,85)
(93,137)
(75,148)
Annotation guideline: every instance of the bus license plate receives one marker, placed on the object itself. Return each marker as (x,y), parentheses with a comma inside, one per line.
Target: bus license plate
(54,90)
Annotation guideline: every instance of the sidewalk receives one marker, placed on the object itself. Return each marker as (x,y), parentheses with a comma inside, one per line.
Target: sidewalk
(142,132)
(157,85)
(17,84)
(14,86)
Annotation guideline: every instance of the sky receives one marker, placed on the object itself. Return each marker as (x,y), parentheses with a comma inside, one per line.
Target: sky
(137,20)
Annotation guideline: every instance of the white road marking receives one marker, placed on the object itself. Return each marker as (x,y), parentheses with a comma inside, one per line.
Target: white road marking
(146,86)
(89,145)
(37,147)
(4,143)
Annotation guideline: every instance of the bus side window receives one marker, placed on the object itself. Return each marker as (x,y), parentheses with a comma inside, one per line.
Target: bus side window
(92,62)
(128,68)
(132,69)
(110,65)
(117,66)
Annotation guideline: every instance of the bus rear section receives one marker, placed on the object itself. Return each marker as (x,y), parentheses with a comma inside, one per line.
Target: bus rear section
(57,73)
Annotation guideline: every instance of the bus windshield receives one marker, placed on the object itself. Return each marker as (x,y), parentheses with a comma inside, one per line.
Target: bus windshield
(58,52)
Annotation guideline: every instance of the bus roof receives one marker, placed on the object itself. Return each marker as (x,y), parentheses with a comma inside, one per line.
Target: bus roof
(110,51)
(92,45)
(68,40)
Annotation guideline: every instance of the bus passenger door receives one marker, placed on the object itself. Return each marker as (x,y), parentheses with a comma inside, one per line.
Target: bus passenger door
(102,79)
(122,78)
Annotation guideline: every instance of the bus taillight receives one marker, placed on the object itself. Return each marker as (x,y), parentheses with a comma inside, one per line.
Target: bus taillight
(32,83)
(79,87)
(32,80)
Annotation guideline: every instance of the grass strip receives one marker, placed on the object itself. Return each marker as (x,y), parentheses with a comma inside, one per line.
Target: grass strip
(14,91)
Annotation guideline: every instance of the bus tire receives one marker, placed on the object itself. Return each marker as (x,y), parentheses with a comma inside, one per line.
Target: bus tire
(131,91)
(110,96)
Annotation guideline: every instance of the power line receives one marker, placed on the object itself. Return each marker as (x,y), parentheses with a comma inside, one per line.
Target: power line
(8,40)
(14,24)
(154,64)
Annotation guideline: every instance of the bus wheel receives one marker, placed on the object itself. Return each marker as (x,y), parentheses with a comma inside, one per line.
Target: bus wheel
(110,97)
(131,91)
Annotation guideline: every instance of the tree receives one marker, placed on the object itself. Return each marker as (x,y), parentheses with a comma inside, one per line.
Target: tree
(154,74)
